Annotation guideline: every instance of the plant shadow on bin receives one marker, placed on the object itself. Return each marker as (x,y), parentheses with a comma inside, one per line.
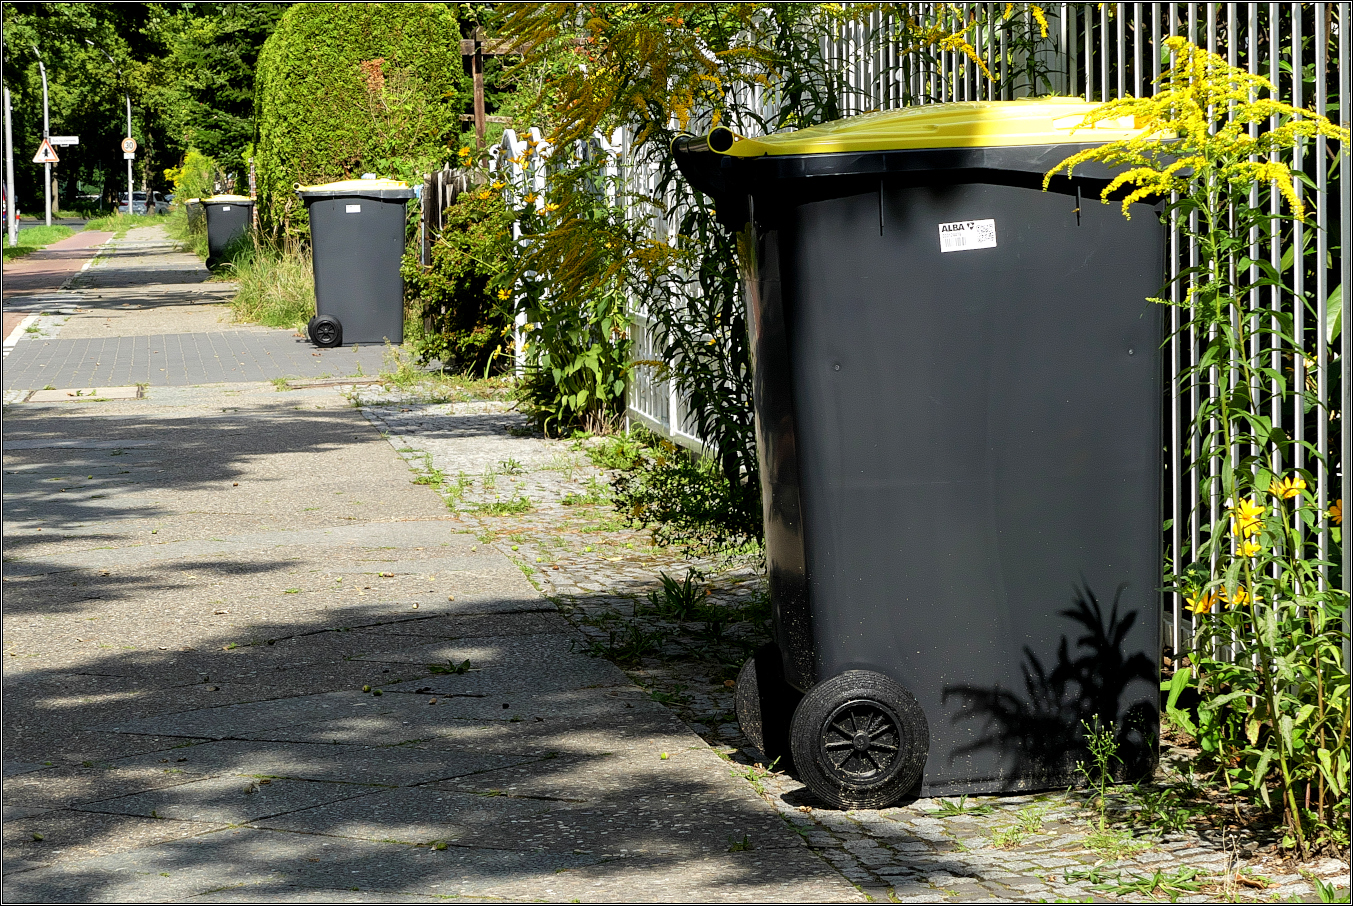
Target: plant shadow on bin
(1041,738)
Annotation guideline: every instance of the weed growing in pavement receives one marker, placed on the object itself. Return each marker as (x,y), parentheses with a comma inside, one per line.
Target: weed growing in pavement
(627,646)
(430,474)
(450,668)
(616,451)
(1171,885)
(510,466)
(276,286)
(512,507)
(678,600)
(1028,821)
(754,774)
(1328,893)
(948,808)
(741,846)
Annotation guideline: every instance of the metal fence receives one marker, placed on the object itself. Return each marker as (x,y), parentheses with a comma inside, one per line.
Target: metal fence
(1102,51)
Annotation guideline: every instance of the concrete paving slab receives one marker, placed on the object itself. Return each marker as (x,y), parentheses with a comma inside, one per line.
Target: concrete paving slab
(351,763)
(231,799)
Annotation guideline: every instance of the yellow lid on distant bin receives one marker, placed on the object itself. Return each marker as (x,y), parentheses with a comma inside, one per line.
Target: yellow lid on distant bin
(227,199)
(972,124)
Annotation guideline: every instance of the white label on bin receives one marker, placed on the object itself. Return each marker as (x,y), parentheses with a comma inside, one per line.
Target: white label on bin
(354,209)
(225,207)
(967,235)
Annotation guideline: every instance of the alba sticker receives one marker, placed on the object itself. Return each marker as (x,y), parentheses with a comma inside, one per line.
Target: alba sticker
(354,209)
(967,235)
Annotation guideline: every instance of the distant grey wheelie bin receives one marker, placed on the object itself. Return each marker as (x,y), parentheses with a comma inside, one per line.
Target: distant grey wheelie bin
(357,235)
(958,394)
(228,218)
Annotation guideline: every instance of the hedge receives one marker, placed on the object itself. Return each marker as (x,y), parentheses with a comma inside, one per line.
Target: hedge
(352,88)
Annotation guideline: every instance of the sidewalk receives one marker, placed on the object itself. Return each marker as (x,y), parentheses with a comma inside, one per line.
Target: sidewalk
(199,586)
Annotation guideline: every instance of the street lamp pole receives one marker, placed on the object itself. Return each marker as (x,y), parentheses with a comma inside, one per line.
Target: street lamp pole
(11,214)
(47,168)
(128,96)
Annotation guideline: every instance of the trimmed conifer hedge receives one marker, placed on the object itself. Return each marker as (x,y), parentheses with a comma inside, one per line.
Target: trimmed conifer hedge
(352,88)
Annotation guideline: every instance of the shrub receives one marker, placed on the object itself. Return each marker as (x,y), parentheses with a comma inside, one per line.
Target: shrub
(462,325)
(685,499)
(348,88)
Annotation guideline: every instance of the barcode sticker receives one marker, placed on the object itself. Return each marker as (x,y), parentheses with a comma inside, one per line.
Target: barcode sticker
(354,209)
(225,207)
(967,235)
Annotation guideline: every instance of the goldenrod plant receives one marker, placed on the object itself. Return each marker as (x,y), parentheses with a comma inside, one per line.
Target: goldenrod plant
(1268,645)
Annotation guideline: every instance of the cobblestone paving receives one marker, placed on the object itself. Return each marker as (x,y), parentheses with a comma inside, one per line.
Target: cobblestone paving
(543,503)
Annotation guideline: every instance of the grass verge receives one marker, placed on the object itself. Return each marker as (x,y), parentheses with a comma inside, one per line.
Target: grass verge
(34,238)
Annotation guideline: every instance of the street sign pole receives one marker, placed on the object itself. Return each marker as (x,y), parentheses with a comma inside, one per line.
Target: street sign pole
(11,212)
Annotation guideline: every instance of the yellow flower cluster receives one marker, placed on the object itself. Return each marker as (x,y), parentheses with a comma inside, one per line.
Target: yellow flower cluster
(1245,519)
(1196,131)
(1201,604)
(1287,488)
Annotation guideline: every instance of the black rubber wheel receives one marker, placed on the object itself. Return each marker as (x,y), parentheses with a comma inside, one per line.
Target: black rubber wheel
(325,331)
(765,705)
(310,326)
(859,740)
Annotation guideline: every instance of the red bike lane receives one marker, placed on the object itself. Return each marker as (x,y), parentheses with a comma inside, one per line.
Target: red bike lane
(46,270)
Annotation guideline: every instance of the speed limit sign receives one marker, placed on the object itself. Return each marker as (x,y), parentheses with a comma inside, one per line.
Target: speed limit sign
(128,145)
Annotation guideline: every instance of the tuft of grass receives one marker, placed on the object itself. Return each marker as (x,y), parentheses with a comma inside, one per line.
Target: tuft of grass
(276,287)
(34,238)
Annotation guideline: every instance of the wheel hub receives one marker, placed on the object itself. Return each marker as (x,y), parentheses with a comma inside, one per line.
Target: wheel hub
(862,741)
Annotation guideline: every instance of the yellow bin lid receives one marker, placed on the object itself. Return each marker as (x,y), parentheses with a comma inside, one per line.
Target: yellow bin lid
(367,188)
(971,124)
(226,199)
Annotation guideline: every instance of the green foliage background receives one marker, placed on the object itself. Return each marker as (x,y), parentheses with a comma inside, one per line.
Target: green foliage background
(352,88)
(188,68)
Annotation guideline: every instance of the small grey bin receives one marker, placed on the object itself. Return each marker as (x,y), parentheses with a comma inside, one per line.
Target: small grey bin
(228,218)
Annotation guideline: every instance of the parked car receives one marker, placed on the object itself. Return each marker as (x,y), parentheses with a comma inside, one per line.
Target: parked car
(161,202)
(138,205)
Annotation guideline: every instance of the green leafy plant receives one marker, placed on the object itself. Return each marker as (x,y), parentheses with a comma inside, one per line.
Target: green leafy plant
(464,326)
(450,668)
(1267,653)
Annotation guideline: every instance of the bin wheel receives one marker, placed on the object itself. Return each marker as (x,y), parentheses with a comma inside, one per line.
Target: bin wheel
(859,740)
(325,331)
(765,704)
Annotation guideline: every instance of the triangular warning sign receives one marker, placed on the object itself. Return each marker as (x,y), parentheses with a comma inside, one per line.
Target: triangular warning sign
(46,154)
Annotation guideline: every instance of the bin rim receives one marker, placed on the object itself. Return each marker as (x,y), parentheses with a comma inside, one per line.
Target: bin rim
(361,188)
(963,124)
(223,199)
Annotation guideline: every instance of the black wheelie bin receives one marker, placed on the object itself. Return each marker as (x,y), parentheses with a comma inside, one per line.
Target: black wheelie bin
(228,218)
(357,235)
(958,393)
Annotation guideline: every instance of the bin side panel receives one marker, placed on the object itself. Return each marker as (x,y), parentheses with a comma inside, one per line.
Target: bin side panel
(979,463)
(774,408)
(356,259)
(225,226)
